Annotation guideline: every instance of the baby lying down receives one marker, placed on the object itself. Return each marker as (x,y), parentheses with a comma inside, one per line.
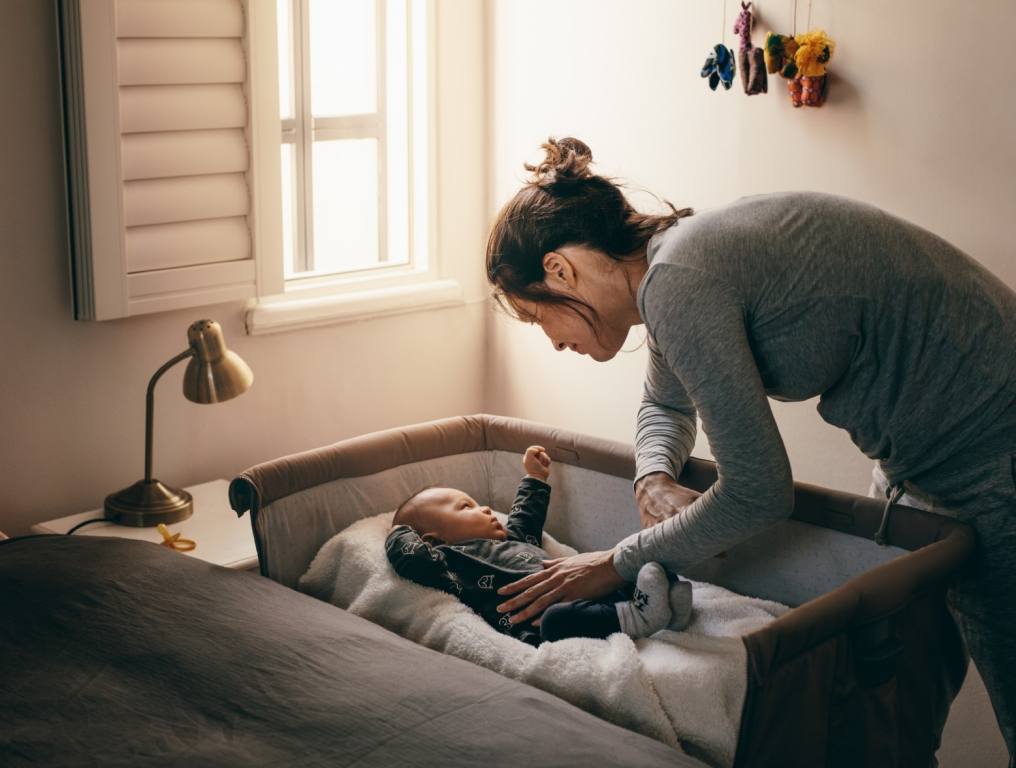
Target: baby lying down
(442,538)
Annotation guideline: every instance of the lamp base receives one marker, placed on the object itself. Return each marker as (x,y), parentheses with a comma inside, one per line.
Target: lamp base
(146,504)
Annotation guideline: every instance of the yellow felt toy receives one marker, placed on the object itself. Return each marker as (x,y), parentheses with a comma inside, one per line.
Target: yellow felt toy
(814,49)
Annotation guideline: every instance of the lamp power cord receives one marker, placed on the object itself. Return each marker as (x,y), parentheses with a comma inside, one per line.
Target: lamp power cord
(87,522)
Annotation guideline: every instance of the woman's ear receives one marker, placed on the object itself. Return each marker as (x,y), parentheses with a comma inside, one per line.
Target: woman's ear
(558,271)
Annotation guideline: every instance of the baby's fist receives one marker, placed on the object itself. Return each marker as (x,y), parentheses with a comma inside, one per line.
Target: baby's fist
(536,462)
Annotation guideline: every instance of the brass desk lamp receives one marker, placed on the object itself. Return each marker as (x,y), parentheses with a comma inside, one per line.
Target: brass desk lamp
(213,375)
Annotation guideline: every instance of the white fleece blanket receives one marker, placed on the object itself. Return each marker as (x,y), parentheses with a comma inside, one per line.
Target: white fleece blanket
(685,689)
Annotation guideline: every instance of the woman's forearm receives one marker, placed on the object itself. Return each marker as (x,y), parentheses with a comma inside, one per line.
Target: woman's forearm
(665,427)
(713,523)
(664,438)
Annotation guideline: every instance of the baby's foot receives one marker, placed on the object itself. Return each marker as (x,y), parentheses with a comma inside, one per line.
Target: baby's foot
(680,605)
(648,611)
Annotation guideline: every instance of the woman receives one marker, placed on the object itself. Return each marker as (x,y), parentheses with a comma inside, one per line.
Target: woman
(909,344)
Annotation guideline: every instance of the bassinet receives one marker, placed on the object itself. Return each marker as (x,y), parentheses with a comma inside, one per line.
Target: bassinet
(861,672)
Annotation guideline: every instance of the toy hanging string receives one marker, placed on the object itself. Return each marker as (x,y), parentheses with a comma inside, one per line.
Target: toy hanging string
(808,26)
(723,26)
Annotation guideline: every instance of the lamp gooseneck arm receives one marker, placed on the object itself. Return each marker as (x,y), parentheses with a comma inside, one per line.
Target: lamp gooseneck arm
(150,407)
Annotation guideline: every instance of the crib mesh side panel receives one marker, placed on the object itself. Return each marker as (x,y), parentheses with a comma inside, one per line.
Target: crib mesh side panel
(294,528)
(588,510)
(793,562)
(790,563)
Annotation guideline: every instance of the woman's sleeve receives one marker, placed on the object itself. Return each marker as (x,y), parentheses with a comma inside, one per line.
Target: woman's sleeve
(699,329)
(665,428)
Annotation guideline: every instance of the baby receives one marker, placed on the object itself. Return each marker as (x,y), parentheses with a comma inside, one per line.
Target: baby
(442,538)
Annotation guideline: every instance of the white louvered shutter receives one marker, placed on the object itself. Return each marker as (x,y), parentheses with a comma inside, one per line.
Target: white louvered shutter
(174,190)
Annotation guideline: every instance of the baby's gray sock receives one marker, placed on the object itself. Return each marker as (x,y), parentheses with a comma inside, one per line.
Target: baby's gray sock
(680,605)
(649,609)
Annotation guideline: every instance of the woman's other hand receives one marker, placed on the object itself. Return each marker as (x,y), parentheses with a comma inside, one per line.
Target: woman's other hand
(536,462)
(659,497)
(580,577)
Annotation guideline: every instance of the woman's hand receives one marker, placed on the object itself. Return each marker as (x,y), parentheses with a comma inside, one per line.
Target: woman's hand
(659,497)
(580,577)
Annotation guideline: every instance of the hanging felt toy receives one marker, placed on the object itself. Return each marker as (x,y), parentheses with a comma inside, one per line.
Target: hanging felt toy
(810,85)
(719,67)
(750,60)
(808,91)
(779,54)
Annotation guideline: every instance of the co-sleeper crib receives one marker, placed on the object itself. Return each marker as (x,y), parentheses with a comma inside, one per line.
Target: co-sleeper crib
(861,672)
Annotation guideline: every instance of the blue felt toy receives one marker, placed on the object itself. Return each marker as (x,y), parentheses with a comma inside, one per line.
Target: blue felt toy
(719,67)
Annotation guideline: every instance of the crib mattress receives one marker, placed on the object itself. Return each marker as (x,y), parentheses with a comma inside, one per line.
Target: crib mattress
(120,652)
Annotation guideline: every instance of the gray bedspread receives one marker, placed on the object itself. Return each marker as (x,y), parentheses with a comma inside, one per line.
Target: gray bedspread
(118,652)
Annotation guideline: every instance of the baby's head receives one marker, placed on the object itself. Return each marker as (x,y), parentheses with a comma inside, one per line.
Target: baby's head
(448,516)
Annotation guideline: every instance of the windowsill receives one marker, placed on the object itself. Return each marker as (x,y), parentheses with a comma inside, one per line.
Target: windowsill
(290,314)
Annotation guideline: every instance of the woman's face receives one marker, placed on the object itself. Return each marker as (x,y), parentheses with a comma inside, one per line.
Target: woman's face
(568,330)
(590,277)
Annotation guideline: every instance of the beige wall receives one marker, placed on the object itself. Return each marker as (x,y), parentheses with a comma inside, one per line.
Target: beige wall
(907,127)
(72,413)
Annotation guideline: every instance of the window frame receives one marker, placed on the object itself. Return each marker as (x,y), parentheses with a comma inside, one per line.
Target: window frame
(303,130)
(306,301)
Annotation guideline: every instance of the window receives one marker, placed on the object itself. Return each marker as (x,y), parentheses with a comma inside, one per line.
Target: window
(277,152)
(352,98)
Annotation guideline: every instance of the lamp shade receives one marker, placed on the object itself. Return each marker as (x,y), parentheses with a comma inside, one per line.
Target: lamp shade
(213,374)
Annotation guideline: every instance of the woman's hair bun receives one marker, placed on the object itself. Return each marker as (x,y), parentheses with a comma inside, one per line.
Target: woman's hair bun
(566,161)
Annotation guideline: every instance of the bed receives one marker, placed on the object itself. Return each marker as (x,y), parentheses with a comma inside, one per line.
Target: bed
(861,671)
(116,652)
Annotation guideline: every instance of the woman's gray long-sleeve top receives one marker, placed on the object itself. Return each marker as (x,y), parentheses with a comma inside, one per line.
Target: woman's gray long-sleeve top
(909,344)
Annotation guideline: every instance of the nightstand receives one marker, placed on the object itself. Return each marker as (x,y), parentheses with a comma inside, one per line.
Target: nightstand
(221,537)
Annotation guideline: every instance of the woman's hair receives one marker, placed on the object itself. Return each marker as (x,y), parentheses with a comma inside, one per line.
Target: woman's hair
(564,203)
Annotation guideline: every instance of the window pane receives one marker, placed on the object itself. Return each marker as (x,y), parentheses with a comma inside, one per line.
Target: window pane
(397,121)
(285,27)
(345,204)
(343,57)
(288,210)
